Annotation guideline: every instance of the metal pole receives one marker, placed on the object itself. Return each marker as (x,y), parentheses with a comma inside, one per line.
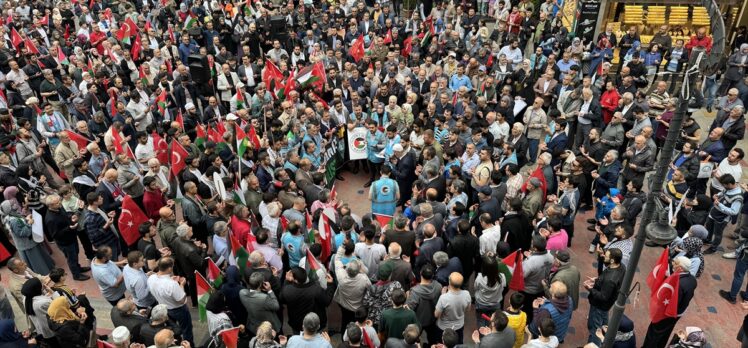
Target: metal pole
(710,65)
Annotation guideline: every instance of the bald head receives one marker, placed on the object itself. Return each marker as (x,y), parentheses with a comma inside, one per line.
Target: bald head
(455,280)
(165,212)
(110,175)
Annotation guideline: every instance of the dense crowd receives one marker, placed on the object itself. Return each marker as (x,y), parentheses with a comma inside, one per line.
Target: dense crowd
(485,127)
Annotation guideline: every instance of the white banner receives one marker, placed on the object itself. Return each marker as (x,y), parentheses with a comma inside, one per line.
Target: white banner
(357,143)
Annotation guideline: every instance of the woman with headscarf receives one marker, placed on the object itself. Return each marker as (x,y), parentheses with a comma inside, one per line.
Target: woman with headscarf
(230,289)
(625,336)
(602,53)
(11,338)
(36,304)
(635,47)
(690,338)
(68,326)
(736,68)
(523,82)
(20,229)
(576,49)
(692,250)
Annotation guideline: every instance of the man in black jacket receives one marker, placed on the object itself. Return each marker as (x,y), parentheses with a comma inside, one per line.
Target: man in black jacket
(603,292)
(302,297)
(190,256)
(403,171)
(62,227)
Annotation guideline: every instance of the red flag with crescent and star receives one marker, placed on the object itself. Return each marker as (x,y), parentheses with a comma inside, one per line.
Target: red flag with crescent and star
(161,148)
(130,218)
(664,301)
(660,271)
(178,156)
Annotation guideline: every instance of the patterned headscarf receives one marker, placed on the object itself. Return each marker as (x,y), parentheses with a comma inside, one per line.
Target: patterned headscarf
(692,247)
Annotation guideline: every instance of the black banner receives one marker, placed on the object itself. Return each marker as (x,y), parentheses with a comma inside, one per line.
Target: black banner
(587,11)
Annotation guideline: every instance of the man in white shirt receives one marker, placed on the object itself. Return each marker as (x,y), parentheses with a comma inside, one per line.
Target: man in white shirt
(512,53)
(491,235)
(169,290)
(729,165)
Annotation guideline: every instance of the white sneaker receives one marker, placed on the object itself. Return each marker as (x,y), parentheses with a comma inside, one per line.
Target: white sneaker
(592,248)
(730,255)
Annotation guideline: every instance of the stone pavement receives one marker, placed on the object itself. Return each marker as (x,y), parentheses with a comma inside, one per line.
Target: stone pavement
(718,318)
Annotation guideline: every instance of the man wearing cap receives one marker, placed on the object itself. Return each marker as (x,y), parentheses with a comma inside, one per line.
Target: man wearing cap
(384,193)
(533,201)
(566,273)
(121,337)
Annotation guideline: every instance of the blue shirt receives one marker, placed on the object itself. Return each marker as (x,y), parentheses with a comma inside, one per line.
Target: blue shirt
(340,238)
(106,276)
(298,341)
(294,247)
(458,81)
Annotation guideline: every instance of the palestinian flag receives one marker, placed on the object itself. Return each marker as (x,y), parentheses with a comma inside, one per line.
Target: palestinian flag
(289,85)
(202,135)
(90,68)
(240,100)
(141,75)
(272,77)
(214,274)
(203,294)
(239,255)
(126,31)
(161,102)
(189,22)
(61,57)
(242,143)
(249,10)
(230,337)
(214,135)
(171,35)
(239,193)
(429,24)
(385,221)
(309,227)
(311,266)
(512,266)
(313,75)
(212,65)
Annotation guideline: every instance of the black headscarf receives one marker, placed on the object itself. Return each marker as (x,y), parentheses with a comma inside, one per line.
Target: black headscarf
(31,289)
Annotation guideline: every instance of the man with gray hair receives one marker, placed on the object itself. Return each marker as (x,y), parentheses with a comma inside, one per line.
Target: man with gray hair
(445,266)
(261,303)
(310,337)
(428,247)
(398,265)
(411,337)
(190,255)
(353,283)
(159,321)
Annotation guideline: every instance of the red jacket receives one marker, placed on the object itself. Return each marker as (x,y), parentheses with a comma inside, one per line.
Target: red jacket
(609,103)
(153,201)
(705,42)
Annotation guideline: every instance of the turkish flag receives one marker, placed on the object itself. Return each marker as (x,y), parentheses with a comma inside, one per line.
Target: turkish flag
(538,173)
(178,156)
(664,301)
(130,219)
(660,271)
(15,39)
(80,140)
(407,47)
(161,148)
(357,50)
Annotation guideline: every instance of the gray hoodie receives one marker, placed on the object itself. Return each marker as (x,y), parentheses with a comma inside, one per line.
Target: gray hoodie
(536,268)
(422,300)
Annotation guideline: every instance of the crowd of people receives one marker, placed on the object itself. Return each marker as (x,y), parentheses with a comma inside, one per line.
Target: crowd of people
(486,126)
